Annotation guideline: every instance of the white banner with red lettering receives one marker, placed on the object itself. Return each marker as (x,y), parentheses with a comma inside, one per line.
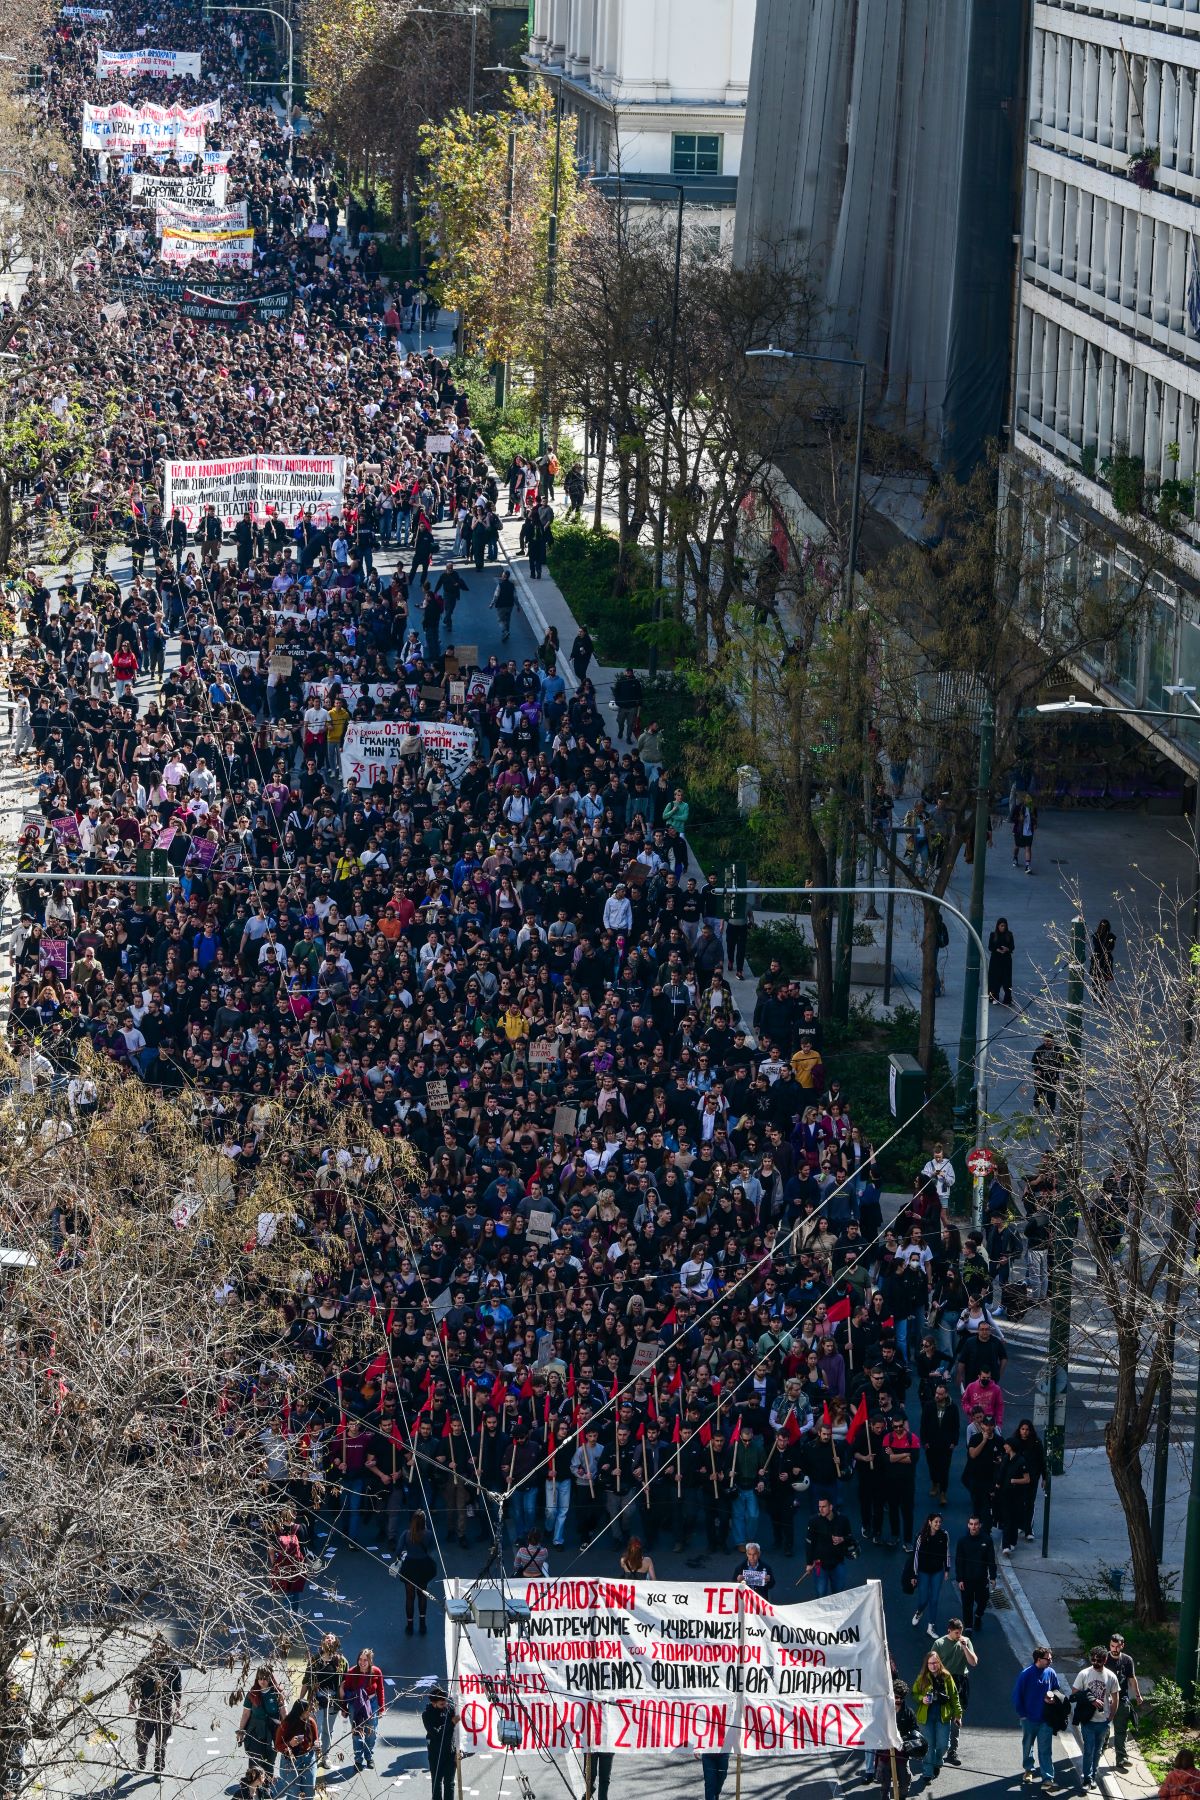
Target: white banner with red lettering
(175,129)
(221,249)
(268,485)
(372,748)
(663,1666)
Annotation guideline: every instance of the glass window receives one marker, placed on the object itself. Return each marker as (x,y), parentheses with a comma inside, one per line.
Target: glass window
(696,153)
(1160,651)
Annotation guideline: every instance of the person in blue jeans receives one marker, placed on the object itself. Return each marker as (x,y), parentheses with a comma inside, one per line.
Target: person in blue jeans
(1096,1694)
(1037,1680)
(931,1565)
(828,1542)
(935,1695)
(715,1764)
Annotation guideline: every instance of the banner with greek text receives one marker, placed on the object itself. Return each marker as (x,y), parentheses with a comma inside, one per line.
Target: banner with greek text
(149,61)
(661,1666)
(372,748)
(220,249)
(175,288)
(171,216)
(212,309)
(93,14)
(269,485)
(203,191)
(171,129)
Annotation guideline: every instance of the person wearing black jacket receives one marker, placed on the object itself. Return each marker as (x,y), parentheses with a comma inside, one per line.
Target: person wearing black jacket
(781,1469)
(941,1428)
(1027,1441)
(828,1545)
(906,1725)
(975,1571)
(440,1720)
(982,1470)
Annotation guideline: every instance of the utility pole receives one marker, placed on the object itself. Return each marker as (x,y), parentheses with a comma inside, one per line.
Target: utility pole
(1189,1589)
(551,271)
(1062,1244)
(966,1126)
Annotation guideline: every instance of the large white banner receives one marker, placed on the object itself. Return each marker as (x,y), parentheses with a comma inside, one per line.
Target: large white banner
(676,1666)
(149,61)
(171,216)
(220,249)
(372,748)
(268,485)
(198,191)
(92,13)
(119,128)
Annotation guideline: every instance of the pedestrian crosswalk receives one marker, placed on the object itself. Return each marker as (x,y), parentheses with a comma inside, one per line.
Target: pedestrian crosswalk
(1092,1376)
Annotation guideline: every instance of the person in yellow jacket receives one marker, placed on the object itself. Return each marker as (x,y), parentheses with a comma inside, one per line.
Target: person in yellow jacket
(335,731)
(515,1024)
(807,1068)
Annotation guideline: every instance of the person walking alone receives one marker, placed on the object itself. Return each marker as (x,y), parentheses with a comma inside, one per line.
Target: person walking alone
(154,1696)
(440,1720)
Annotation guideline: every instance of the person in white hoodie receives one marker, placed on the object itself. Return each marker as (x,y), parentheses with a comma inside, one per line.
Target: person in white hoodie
(618,913)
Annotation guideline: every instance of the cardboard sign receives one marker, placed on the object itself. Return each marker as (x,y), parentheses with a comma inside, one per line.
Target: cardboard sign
(437,1096)
(458,693)
(466,655)
(543,1052)
(644,1357)
(540,1227)
(564,1121)
(438,443)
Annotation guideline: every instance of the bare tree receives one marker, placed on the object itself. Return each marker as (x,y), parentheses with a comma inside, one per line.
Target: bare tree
(147,1384)
(1118,1167)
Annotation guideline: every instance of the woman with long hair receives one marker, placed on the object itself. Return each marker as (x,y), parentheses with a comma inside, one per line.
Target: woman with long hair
(417,1570)
(938,1705)
(263,1712)
(931,1565)
(635,1563)
(296,1742)
(364,1699)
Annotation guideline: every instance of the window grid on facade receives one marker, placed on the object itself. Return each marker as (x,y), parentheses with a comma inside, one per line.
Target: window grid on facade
(696,153)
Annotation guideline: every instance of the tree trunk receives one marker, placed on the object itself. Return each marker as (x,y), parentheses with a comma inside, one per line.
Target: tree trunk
(1149,1606)
(6,524)
(601,471)
(929,953)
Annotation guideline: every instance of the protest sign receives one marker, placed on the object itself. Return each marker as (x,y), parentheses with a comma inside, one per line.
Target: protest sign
(437,1096)
(372,748)
(269,485)
(539,1227)
(95,15)
(644,1357)
(438,443)
(175,215)
(212,310)
(683,1667)
(148,61)
(351,692)
(184,190)
(221,249)
(54,954)
(542,1052)
(564,1121)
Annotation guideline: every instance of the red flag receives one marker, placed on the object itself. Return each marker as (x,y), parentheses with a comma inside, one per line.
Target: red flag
(858,1418)
(443,1333)
(838,1311)
(672,1317)
(705,1433)
(612,1392)
(651,1410)
(716,1387)
(389,1321)
(374,1307)
(376,1366)
(736,1433)
(546,1410)
(527,1388)
(446,1426)
(570,1381)
(552,1444)
(641,1432)
(676,1382)
(888,1321)
(677,1434)
(825,1418)
(497,1395)
(792,1427)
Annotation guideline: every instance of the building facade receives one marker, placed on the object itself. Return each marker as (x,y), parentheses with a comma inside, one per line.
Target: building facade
(659,89)
(1107,356)
(883,143)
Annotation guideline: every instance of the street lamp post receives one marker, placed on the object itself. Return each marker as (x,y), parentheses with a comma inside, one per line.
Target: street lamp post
(291,74)
(845,938)
(447,12)
(660,531)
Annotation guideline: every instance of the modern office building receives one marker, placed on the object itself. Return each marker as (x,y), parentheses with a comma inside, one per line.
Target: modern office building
(1107,364)
(659,88)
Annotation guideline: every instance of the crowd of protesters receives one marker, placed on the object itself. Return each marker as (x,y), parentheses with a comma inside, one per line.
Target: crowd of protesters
(651,1290)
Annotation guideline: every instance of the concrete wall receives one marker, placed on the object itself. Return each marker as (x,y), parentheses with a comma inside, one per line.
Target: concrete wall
(882,135)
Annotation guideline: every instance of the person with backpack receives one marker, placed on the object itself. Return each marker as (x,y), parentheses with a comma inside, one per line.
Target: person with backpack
(364,1699)
(503,601)
(323,1685)
(263,1712)
(154,1697)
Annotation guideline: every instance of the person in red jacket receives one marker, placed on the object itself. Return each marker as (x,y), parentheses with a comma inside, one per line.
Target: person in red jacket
(125,668)
(364,1700)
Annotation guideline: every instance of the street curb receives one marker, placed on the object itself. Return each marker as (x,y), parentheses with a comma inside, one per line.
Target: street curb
(1110,1785)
